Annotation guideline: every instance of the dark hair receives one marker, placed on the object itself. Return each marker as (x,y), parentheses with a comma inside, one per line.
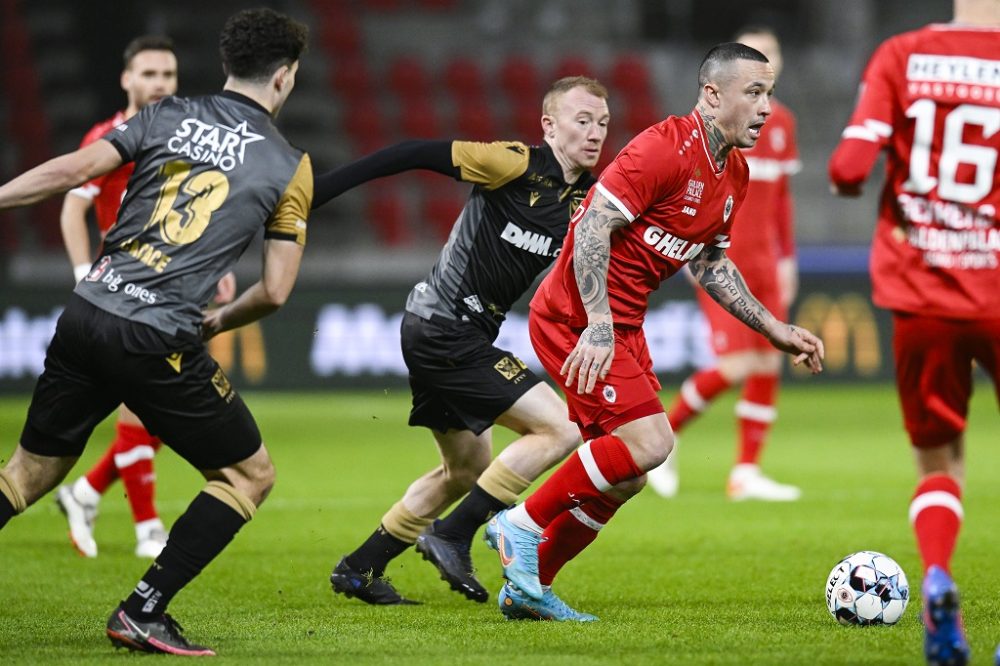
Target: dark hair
(255,42)
(567,83)
(146,43)
(721,56)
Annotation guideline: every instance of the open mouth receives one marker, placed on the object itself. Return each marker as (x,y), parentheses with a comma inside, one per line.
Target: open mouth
(755,129)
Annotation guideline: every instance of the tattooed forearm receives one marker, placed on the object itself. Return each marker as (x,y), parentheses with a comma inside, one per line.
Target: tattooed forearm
(720,278)
(592,251)
(716,141)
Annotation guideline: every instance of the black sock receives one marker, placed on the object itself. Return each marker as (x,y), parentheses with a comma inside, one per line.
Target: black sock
(7,510)
(471,513)
(376,552)
(197,537)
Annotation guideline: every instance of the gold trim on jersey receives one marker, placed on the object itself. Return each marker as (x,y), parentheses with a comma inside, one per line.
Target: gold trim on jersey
(289,217)
(491,165)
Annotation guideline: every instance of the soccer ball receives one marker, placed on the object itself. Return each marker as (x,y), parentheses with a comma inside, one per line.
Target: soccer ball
(867,588)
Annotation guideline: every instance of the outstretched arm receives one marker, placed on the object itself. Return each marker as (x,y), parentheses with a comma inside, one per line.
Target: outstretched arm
(718,276)
(416,154)
(60,174)
(591,359)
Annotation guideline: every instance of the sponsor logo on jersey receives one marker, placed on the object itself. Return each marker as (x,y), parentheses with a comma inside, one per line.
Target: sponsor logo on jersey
(687,210)
(669,245)
(528,240)
(695,190)
(473,303)
(219,145)
(609,394)
(97,271)
(953,69)
(728,210)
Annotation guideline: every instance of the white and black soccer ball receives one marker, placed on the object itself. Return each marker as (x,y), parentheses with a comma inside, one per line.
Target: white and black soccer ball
(867,588)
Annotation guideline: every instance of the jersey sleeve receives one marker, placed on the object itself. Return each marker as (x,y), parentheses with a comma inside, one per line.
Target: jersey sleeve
(127,137)
(288,221)
(646,171)
(490,164)
(870,126)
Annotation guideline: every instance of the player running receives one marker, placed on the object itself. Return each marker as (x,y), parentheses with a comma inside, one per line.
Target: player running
(668,200)
(209,173)
(509,231)
(931,99)
(765,255)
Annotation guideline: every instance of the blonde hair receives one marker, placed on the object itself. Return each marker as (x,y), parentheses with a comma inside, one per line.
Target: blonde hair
(567,83)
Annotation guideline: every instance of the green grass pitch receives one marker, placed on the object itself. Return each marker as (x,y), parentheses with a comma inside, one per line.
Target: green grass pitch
(695,580)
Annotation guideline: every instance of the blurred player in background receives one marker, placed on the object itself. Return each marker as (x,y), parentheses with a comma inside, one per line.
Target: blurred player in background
(150,74)
(210,172)
(668,200)
(509,231)
(931,99)
(764,249)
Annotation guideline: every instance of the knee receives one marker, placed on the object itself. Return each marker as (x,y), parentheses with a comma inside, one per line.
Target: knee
(261,481)
(562,438)
(653,450)
(459,479)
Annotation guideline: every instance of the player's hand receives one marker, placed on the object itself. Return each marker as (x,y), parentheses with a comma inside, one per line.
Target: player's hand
(591,359)
(806,347)
(211,323)
(225,291)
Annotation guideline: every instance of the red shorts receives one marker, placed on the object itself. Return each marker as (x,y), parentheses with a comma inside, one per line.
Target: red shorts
(934,358)
(626,394)
(729,334)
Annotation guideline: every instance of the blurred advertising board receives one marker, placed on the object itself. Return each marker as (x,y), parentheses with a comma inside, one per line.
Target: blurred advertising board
(349,338)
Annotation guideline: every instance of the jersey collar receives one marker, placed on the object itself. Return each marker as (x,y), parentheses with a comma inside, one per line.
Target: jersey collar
(238,97)
(553,168)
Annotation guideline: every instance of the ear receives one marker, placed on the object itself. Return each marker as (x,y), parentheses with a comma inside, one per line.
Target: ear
(279,77)
(710,93)
(548,126)
(125,80)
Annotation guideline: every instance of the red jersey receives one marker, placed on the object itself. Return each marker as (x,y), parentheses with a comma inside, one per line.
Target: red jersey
(666,183)
(108,190)
(762,232)
(931,99)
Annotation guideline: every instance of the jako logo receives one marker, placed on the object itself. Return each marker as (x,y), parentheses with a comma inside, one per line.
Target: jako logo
(216,144)
(528,240)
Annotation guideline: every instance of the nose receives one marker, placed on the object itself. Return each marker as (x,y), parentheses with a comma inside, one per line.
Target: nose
(766,108)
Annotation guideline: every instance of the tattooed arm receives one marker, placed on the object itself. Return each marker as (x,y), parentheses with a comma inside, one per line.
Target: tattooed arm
(591,359)
(718,276)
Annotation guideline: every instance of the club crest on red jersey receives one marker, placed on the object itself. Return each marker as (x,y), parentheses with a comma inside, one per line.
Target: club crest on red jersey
(609,393)
(727,211)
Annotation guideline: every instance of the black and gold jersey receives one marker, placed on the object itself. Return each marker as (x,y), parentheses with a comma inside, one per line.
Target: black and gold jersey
(209,173)
(510,230)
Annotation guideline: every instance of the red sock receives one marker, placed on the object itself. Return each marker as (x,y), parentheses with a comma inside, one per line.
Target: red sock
(756,414)
(696,392)
(590,471)
(104,472)
(134,451)
(936,515)
(571,532)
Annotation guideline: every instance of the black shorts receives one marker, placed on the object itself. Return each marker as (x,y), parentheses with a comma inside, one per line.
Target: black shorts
(97,360)
(458,378)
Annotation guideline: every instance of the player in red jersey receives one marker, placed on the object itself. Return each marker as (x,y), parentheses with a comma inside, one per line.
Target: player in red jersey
(763,248)
(150,74)
(667,200)
(931,99)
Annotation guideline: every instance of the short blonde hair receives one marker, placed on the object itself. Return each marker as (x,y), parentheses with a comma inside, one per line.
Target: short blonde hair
(567,83)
